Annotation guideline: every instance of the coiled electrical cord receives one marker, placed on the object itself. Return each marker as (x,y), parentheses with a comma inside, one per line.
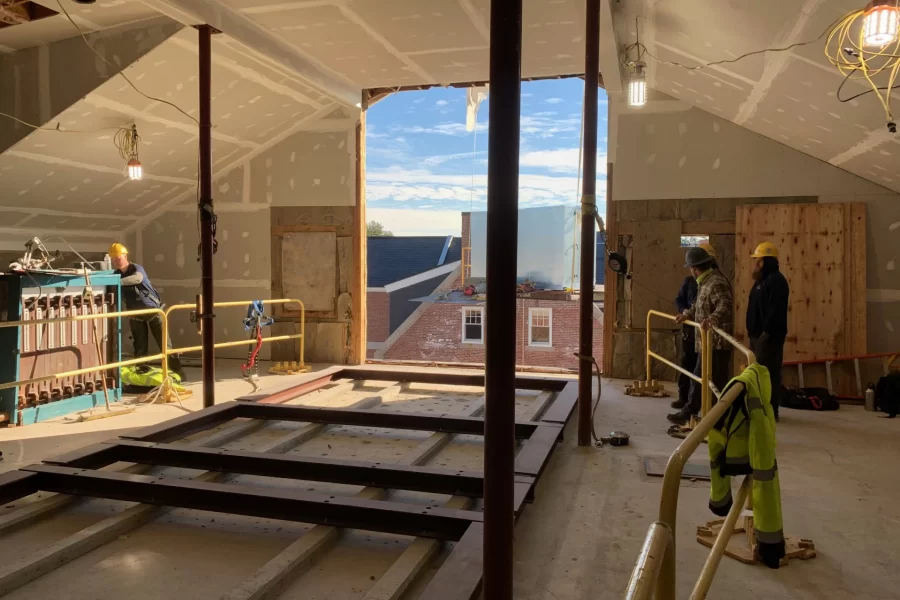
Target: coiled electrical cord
(597,441)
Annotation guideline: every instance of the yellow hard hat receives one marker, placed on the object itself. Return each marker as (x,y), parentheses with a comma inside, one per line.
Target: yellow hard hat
(764,250)
(708,247)
(117,250)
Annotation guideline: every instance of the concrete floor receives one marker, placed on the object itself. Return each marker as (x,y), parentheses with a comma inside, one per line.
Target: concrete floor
(579,540)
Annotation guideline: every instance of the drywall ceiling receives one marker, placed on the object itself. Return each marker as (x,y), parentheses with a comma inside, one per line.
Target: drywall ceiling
(76,181)
(789,96)
(88,17)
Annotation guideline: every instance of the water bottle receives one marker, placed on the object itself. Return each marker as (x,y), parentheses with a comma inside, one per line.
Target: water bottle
(107,263)
(870,398)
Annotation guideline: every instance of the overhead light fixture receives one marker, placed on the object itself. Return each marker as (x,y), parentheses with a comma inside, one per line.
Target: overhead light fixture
(881,24)
(127,141)
(135,170)
(637,87)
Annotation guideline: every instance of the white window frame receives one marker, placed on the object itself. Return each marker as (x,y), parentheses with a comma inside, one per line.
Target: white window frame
(531,312)
(466,311)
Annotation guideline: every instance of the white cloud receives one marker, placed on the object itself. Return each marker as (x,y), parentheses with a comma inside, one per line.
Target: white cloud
(404,221)
(558,161)
(450,128)
(402,185)
(554,100)
(441,103)
(433,161)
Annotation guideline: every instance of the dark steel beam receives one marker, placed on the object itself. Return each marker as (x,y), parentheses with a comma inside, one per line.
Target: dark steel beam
(207,216)
(536,450)
(371,418)
(439,377)
(460,577)
(307,384)
(186,425)
(350,472)
(500,311)
(287,505)
(588,212)
(17,484)
(563,405)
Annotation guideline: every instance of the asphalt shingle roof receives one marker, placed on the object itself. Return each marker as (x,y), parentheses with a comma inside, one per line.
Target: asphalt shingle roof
(391,259)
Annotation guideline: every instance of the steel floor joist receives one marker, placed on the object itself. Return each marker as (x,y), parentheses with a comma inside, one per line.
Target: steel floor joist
(78,473)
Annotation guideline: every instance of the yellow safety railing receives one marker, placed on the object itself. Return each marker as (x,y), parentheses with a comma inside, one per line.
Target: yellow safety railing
(661,563)
(655,570)
(703,380)
(94,369)
(165,352)
(248,342)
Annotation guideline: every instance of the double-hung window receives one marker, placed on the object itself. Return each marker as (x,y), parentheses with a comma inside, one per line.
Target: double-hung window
(473,325)
(540,328)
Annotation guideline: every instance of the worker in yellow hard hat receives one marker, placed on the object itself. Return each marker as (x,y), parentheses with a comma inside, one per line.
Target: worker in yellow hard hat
(767,315)
(138,293)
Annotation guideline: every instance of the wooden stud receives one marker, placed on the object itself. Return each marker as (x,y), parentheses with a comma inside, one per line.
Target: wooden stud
(360,266)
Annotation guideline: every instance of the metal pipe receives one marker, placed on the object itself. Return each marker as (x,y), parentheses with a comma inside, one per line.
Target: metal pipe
(646,569)
(704,582)
(588,210)
(276,338)
(207,246)
(751,357)
(650,353)
(668,504)
(500,310)
(84,371)
(109,315)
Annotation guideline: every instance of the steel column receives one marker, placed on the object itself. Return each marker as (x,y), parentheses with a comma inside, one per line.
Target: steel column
(500,312)
(588,212)
(206,218)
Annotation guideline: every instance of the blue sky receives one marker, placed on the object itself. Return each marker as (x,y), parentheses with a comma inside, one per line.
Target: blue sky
(420,161)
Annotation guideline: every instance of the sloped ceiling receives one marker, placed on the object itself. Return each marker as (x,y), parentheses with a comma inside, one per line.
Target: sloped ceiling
(789,96)
(76,181)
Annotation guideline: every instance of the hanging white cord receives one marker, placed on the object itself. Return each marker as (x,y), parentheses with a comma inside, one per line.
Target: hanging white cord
(578,191)
(474,154)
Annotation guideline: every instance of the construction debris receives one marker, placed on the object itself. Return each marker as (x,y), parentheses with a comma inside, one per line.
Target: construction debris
(289,368)
(651,389)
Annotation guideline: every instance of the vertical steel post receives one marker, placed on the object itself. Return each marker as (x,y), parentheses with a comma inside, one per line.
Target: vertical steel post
(208,336)
(500,312)
(588,210)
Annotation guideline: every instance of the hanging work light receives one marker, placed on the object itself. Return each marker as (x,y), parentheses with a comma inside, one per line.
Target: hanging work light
(637,87)
(881,25)
(135,170)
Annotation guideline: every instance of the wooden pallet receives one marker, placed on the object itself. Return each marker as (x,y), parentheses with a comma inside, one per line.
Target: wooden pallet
(743,547)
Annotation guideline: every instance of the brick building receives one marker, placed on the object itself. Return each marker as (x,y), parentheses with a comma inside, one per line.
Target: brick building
(449,327)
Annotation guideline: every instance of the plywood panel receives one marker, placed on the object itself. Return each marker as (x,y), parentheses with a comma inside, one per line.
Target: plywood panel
(309,268)
(657,271)
(827,286)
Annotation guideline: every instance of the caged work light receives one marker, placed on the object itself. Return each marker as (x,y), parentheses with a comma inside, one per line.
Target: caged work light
(127,140)
(637,87)
(881,23)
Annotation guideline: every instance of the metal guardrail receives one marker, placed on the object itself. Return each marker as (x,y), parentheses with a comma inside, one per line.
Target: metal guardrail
(706,368)
(163,355)
(248,342)
(655,570)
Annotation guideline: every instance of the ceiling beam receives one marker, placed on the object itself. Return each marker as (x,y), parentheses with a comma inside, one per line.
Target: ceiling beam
(610,63)
(256,37)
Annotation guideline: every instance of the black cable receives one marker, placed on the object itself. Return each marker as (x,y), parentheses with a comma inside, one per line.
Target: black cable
(847,78)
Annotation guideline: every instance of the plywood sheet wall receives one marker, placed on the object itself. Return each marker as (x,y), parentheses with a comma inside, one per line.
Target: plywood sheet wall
(657,271)
(822,253)
(308,267)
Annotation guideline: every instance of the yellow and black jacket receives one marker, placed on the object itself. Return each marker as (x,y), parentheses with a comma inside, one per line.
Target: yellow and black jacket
(743,443)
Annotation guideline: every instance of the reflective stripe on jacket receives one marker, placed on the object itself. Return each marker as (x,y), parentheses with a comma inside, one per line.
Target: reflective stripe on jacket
(743,443)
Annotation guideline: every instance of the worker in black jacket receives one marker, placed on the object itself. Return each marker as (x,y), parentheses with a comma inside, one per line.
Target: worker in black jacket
(767,312)
(685,299)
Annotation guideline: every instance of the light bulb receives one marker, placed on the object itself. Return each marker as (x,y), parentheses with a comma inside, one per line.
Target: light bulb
(135,170)
(637,87)
(881,25)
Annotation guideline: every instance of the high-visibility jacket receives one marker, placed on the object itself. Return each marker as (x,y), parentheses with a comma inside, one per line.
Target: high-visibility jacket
(743,443)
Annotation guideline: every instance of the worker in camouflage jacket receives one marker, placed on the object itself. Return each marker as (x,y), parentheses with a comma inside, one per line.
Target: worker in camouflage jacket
(713,308)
